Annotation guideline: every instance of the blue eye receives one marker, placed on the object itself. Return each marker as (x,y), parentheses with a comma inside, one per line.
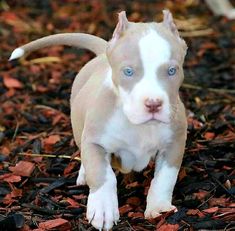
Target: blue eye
(171,71)
(128,71)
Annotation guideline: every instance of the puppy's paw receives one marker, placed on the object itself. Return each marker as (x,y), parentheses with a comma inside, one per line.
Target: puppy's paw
(81,180)
(155,209)
(102,208)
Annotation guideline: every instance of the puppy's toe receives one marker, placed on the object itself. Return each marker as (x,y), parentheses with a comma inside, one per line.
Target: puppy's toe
(98,219)
(111,216)
(155,210)
(150,214)
(102,208)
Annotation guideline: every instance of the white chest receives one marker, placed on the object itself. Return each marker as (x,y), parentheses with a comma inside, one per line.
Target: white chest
(135,144)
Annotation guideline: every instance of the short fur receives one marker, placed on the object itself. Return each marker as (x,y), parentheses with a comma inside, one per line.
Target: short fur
(110,121)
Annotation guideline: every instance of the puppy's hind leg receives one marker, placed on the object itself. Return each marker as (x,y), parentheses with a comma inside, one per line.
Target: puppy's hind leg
(81,179)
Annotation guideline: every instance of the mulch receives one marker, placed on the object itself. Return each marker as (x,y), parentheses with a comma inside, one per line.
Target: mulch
(39,160)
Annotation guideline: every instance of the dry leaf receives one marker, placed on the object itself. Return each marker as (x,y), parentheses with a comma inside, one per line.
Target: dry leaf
(72,202)
(10,178)
(10,82)
(211,210)
(135,215)
(51,140)
(168,227)
(23,168)
(218,202)
(209,135)
(70,167)
(124,209)
(133,201)
(56,224)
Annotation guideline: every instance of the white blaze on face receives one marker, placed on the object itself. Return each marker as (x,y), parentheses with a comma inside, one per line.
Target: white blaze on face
(154,51)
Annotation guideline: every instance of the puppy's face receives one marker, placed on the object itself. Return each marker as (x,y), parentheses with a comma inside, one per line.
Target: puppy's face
(147,71)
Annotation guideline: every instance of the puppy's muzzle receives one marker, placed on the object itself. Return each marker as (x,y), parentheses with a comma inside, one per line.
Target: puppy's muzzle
(153,106)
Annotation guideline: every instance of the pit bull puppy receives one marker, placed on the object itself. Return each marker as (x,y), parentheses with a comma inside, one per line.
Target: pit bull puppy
(125,108)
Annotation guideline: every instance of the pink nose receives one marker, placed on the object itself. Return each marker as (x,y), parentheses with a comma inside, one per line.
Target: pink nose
(153,106)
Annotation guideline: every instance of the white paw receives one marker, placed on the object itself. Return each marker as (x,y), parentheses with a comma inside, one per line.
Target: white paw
(81,180)
(102,208)
(155,208)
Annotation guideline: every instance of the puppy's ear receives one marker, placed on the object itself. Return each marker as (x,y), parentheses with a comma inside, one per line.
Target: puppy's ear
(168,22)
(120,28)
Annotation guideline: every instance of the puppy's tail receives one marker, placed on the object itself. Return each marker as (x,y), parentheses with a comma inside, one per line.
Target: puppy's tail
(80,40)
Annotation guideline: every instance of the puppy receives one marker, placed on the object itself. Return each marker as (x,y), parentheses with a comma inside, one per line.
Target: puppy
(125,108)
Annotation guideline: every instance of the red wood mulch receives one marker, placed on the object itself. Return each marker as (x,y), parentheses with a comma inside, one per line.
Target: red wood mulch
(38,192)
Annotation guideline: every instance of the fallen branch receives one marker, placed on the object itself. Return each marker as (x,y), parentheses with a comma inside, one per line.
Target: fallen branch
(49,156)
(197,33)
(47,59)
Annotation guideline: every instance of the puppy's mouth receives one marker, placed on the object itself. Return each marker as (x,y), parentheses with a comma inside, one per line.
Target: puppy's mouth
(148,117)
(155,118)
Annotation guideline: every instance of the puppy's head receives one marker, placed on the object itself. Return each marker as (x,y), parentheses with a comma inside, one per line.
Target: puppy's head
(146,61)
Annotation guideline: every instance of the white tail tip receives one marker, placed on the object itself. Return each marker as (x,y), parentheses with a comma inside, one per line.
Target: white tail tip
(17,53)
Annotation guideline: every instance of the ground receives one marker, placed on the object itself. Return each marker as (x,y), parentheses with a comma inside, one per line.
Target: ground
(37,175)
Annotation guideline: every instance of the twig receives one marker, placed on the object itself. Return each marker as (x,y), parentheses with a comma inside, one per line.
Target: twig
(222,186)
(218,182)
(204,202)
(131,228)
(184,224)
(49,156)
(53,212)
(217,90)
(197,33)
(50,108)
(15,132)
(48,59)
(218,101)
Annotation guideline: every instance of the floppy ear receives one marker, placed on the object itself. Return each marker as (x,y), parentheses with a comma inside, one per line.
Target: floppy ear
(120,28)
(168,22)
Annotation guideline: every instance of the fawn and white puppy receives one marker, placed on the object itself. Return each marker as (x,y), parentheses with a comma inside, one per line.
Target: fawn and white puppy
(125,110)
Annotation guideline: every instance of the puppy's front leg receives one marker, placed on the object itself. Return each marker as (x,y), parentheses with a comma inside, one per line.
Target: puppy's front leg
(102,205)
(168,163)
